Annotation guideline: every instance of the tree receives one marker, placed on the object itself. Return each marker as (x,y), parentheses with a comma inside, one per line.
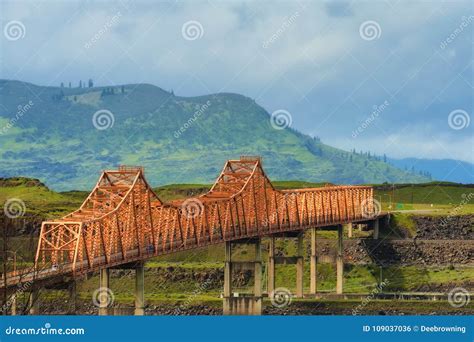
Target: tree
(58,97)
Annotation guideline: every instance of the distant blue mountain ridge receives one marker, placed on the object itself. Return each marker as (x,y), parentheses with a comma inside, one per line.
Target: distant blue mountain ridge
(440,169)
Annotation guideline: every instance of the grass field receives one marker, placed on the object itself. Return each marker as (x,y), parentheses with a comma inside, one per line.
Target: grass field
(38,199)
(435,192)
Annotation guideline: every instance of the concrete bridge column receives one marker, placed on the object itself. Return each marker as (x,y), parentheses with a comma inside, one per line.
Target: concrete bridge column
(104,282)
(72,298)
(33,302)
(227,277)
(271,267)
(376,229)
(243,304)
(299,266)
(140,290)
(258,269)
(293,260)
(313,263)
(349,230)
(257,305)
(339,261)
(13,305)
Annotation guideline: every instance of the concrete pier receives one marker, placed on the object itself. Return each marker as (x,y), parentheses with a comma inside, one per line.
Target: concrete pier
(271,266)
(349,229)
(247,304)
(72,298)
(296,260)
(299,266)
(258,270)
(104,283)
(139,290)
(313,261)
(339,261)
(33,302)
(227,272)
(13,305)
(375,225)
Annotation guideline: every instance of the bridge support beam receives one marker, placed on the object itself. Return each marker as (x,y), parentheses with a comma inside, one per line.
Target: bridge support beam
(271,267)
(349,229)
(299,266)
(227,272)
(313,262)
(296,260)
(13,305)
(104,283)
(375,225)
(139,290)
(258,272)
(236,304)
(33,302)
(72,298)
(339,261)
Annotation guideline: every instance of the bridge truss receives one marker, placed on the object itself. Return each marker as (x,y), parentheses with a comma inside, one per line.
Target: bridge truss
(123,220)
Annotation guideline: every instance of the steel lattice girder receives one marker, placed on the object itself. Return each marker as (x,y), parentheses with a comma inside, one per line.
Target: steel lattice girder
(123,220)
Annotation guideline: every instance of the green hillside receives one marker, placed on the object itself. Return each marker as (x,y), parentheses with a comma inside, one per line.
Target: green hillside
(48,133)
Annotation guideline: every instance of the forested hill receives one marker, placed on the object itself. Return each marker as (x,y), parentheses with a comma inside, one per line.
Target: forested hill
(50,133)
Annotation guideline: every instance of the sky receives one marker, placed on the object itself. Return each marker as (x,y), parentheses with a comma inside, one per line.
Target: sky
(392,77)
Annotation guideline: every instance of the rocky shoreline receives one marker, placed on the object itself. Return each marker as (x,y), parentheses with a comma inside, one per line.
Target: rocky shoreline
(401,252)
(444,227)
(315,307)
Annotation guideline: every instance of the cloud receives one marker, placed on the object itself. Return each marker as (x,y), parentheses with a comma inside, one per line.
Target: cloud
(338,8)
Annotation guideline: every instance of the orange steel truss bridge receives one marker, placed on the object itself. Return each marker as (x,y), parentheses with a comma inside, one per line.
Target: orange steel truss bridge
(123,220)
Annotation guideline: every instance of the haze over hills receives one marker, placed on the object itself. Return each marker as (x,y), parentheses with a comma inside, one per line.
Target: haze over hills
(50,133)
(441,169)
